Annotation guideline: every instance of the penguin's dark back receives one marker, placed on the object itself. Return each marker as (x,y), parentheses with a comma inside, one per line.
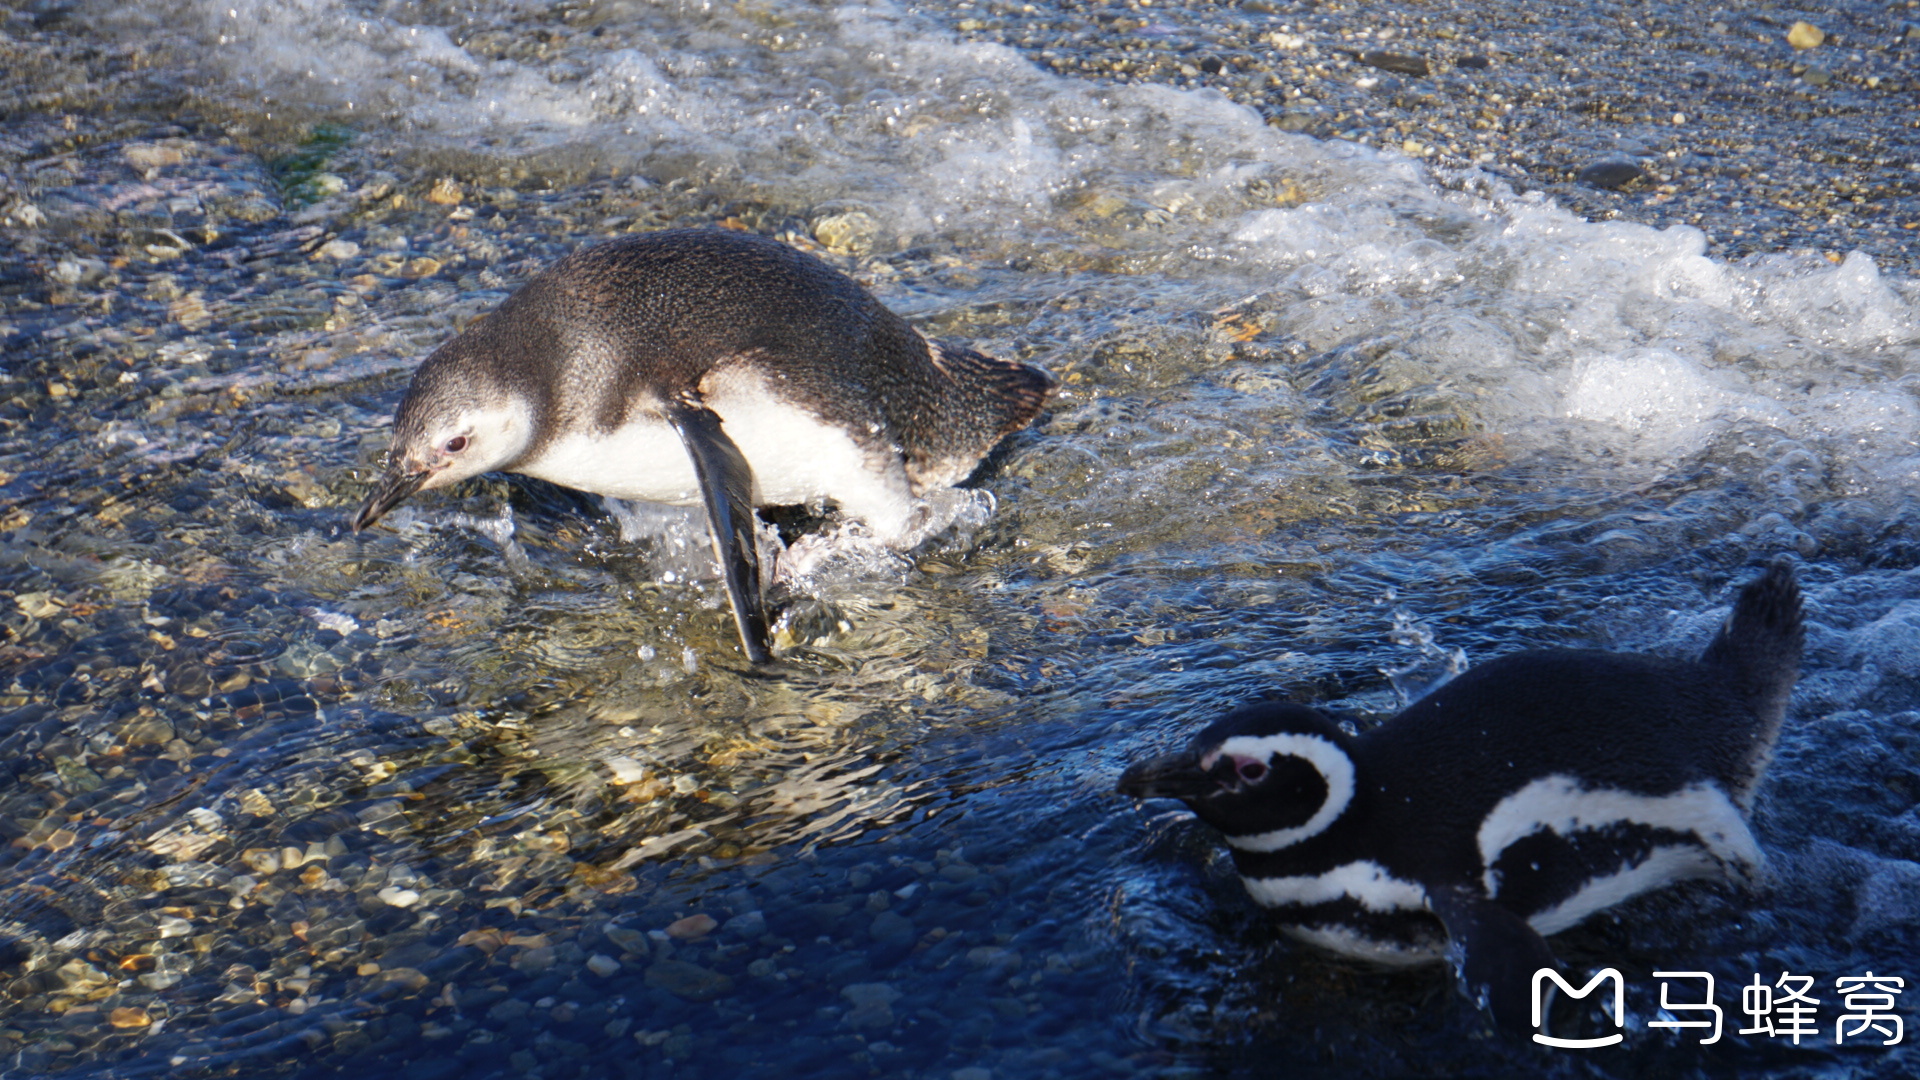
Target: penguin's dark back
(647,316)
(1635,723)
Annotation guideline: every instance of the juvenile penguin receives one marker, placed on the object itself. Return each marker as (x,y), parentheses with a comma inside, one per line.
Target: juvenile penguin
(707,365)
(1512,802)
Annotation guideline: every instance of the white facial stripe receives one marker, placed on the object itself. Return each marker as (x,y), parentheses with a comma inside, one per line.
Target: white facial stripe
(1662,865)
(1333,764)
(1561,804)
(1367,882)
(1347,942)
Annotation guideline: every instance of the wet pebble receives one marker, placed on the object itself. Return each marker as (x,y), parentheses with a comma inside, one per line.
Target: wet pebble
(148,731)
(534,961)
(872,1005)
(891,928)
(686,980)
(692,927)
(398,897)
(996,961)
(1805,35)
(959,873)
(627,939)
(749,925)
(508,1010)
(1611,174)
(851,233)
(1395,62)
(406,979)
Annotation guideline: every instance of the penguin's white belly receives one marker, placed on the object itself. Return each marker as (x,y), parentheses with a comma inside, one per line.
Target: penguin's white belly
(645,461)
(794,457)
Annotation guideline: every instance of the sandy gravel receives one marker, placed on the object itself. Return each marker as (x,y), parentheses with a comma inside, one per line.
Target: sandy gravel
(1663,113)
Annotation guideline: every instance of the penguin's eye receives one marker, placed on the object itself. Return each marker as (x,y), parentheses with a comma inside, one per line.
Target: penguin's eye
(1251,770)
(456,444)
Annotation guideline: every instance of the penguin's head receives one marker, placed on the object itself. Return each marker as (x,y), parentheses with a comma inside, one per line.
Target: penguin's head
(452,425)
(1268,775)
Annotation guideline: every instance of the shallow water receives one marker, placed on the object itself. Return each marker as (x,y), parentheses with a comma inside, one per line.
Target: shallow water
(434,801)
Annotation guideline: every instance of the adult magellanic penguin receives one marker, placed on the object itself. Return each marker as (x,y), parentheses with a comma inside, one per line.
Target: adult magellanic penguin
(707,366)
(1514,801)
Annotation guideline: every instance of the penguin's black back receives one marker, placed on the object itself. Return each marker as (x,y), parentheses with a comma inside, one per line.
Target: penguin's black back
(1629,722)
(647,317)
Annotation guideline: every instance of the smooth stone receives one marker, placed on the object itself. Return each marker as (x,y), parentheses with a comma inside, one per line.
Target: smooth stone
(627,939)
(1612,174)
(1805,35)
(508,1010)
(534,961)
(891,927)
(872,1005)
(409,980)
(398,897)
(851,233)
(698,925)
(959,873)
(999,961)
(1395,62)
(626,770)
(690,981)
(748,925)
(149,731)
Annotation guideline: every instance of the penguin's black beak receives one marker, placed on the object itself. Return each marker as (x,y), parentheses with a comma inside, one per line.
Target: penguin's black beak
(1169,776)
(394,488)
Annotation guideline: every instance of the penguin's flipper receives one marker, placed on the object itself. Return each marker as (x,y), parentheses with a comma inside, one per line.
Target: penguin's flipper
(1494,951)
(726,485)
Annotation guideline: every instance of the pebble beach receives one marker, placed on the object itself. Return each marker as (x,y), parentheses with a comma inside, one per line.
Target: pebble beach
(1769,128)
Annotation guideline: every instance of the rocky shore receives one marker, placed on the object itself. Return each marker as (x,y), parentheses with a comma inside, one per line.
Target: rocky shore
(1771,128)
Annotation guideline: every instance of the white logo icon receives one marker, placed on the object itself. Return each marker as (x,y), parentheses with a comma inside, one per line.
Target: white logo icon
(1619,1006)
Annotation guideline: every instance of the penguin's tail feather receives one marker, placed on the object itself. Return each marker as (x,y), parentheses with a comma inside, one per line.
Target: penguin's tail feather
(1000,395)
(1760,645)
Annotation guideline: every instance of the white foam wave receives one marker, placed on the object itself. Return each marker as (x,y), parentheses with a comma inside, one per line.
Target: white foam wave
(1633,332)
